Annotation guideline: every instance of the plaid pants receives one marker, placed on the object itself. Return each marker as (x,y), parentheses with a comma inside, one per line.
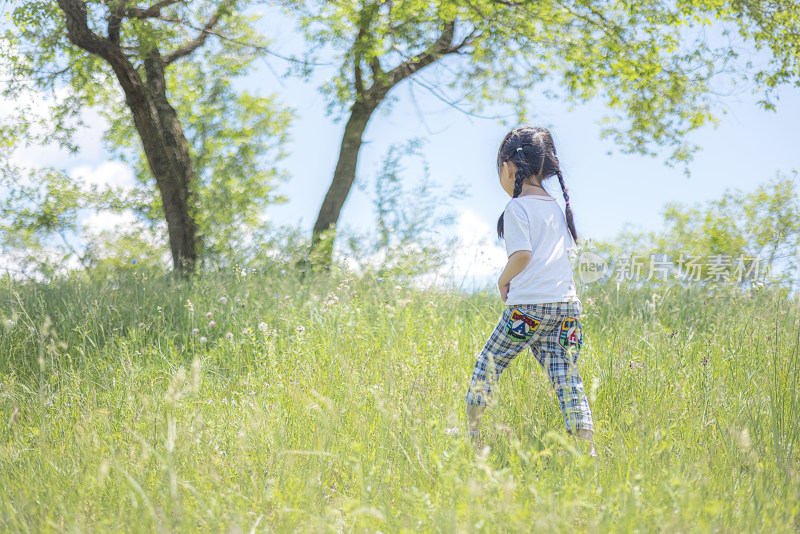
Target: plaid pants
(554,335)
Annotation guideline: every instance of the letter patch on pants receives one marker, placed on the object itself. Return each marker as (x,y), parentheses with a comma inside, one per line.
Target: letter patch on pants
(521,326)
(571,334)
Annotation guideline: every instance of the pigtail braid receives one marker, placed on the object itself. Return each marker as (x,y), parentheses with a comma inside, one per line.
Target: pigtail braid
(568,211)
(518,179)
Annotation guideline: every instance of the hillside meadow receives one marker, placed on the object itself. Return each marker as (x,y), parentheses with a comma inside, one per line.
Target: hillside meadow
(260,402)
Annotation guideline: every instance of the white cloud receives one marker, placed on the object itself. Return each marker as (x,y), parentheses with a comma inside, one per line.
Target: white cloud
(480,255)
(12,262)
(103,220)
(477,259)
(111,173)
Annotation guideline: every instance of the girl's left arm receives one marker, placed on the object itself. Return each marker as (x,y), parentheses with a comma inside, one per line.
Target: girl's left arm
(516,263)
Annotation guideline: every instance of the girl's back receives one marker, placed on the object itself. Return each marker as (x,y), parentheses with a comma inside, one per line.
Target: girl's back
(536,223)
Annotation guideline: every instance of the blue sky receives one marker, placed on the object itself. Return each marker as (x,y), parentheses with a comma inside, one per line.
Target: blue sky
(607,190)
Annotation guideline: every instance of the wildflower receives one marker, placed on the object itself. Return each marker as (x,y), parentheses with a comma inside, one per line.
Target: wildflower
(287,298)
(398,288)
(244,272)
(300,329)
(133,262)
(238,300)
(329,301)
(380,280)
(203,339)
(263,327)
(195,331)
(229,335)
(208,315)
(212,324)
(189,305)
(283,271)
(223,300)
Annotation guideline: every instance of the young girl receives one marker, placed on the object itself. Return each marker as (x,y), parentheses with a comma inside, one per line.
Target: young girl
(542,306)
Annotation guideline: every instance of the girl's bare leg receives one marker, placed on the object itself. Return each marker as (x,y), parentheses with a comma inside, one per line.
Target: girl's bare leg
(474,415)
(586,435)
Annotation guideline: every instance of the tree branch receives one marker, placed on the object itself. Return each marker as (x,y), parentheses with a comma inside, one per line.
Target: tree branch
(198,41)
(153,11)
(78,29)
(115,22)
(359,80)
(441,47)
(375,67)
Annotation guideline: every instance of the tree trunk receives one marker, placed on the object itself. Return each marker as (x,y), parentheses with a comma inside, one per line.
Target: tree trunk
(343,176)
(367,101)
(159,128)
(167,153)
(170,162)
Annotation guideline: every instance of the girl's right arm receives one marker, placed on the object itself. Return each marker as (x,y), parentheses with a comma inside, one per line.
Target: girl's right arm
(516,263)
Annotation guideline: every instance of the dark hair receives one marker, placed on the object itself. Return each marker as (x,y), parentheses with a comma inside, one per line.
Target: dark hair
(532,150)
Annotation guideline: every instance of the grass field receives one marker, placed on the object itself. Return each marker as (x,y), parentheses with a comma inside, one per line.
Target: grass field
(325,410)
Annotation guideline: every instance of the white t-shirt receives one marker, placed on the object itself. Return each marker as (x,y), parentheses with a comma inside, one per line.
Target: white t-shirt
(536,223)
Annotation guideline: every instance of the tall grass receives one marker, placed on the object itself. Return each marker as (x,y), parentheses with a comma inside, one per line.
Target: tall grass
(331,415)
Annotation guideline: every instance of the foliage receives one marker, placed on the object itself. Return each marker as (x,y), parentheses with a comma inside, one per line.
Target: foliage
(772,25)
(40,211)
(651,63)
(114,416)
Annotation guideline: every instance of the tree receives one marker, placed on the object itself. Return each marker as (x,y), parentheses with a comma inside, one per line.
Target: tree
(85,47)
(740,237)
(235,139)
(762,227)
(635,56)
